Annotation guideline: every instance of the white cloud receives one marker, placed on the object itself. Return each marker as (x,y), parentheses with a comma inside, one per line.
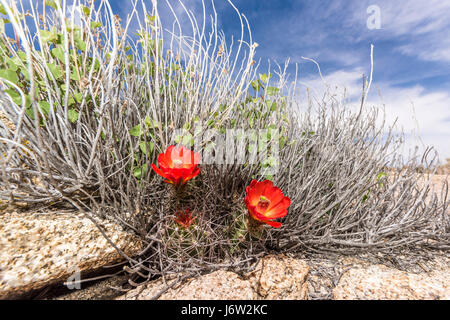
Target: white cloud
(423,24)
(421,113)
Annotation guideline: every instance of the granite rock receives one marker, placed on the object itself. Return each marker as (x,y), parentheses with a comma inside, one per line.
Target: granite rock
(274,277)
(219,285)
(41,249)
(280,278)
(379,282)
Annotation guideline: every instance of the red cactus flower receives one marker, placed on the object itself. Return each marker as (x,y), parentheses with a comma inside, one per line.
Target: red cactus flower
(266,202)
(178,165)
(184,218)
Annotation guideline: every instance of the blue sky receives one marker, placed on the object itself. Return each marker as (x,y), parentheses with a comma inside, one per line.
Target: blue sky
(411,51)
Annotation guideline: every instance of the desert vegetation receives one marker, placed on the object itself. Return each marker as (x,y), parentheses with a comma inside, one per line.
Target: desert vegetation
(89,105)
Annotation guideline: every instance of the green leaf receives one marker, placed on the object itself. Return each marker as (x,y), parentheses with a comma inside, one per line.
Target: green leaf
(187,126)
(78,97)
(150,19)
(11,64)
(58,53)
(15,96)
(95,24)
(137,172)
(9,75)
(265,77)
(97,65)
(146,148)
(29,112)
(27,101)
(272,91)
(255,85)
(188,140)
(48,36)
(310,133)
(148,121)
(51,3)
(74,75)
(282,141)
(55,70)
(143,147)
(73,115)
(2,9)
(381,175)
(157,124)
(22,55)
(79,43)
(136,131)
(86,10)
(364,198)
(60,39)
(45,107)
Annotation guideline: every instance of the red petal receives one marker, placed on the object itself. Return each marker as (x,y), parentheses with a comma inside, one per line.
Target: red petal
(257,216)
(275,195)
(159,171)
(259,188)
(171,154)
(280,210)
(164,162)
(253,197)
(273,223)
(192,175)
(278,214)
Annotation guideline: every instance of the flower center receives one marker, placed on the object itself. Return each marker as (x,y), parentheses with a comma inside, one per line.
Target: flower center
(263,202)
(177,163)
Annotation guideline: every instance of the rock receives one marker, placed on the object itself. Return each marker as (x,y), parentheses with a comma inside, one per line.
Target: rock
(444,168)
(42,249)
(223,285)
(275,277)
(437,183)
(378,282)
(280,278)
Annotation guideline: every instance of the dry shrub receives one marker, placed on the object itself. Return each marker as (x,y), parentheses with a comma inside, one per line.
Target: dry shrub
(93,106)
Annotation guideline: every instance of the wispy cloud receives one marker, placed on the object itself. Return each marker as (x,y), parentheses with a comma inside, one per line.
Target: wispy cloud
(422,27)
(423,115)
